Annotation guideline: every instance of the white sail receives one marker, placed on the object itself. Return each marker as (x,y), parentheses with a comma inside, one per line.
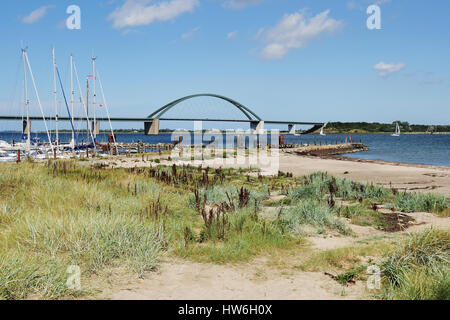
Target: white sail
(321,130)
(397,131)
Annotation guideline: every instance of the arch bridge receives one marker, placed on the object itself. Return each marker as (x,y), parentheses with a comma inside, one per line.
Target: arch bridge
(152,122)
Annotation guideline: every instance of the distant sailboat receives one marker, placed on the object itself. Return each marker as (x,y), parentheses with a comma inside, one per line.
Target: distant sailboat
(397,131)
(321,130)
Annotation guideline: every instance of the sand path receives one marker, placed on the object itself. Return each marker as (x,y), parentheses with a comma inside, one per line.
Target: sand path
(184,280)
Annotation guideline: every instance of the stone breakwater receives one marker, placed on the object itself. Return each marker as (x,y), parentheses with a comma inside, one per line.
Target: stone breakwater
(327,150)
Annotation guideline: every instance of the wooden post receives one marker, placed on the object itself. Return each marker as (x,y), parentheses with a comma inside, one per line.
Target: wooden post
(18,156)
(54,153)
(87,152)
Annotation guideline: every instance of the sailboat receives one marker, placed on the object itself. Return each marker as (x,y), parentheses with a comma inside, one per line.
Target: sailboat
(397,131)
(321,130)
(32,147)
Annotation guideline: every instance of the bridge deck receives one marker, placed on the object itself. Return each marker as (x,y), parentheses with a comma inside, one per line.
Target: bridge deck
(35,118)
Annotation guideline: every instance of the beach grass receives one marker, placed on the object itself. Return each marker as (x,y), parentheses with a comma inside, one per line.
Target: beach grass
(62,213)
(419,268)
(53,220)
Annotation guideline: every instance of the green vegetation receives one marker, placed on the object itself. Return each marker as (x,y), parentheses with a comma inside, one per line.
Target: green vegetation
(313,213)
(62,213)
(365,127)
(346,257)
(420,268)
(54,217)
(428,202)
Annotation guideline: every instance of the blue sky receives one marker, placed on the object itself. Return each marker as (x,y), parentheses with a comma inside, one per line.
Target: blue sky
(299,60)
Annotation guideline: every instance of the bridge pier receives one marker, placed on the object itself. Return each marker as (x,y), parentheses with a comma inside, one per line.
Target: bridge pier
(292,129)
(151,128)
(257,127)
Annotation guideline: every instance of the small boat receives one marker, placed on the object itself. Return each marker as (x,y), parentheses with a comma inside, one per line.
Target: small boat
(397,131)
(321,130)
(4,144)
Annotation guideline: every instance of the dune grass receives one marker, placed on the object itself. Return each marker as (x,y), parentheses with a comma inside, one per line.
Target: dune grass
(420,268)
(57,214)
(423,202)
(345,258)
(81,217)
(313,213)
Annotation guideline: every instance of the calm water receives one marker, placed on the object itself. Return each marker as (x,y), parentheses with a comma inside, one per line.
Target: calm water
(417,148)
(423,149)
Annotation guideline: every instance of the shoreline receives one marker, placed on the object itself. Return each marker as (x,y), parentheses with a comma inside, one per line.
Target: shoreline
(383,162)
(162,131)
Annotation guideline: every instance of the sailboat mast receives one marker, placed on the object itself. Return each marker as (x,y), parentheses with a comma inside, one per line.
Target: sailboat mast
(94,102)
(72,100)
(55,98)
(87,111)
(27,102)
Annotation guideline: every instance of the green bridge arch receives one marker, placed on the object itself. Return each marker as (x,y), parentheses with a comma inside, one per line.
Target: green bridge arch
(246,111)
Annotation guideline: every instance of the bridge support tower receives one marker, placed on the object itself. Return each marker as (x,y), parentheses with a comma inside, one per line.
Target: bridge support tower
(257,127)
(152,128)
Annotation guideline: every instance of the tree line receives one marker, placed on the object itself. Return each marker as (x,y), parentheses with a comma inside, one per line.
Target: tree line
(375,127)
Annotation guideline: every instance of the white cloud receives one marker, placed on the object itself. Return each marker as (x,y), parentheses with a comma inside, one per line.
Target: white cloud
(232,35)
(239,4)
(36,15)
(386,69)
(295,31)
(190,34)
(135,13)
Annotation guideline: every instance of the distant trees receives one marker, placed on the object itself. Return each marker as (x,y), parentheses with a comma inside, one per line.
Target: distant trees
(376,127)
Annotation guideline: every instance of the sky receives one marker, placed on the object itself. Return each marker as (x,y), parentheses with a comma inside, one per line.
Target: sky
(299,60)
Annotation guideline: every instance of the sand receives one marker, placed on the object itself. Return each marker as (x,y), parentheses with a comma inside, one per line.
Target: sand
(184,280)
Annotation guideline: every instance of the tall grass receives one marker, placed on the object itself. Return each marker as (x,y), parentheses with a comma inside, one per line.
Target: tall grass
(246,236)
(319,184)
(420,268)
(418,202)
(314,213)
(23,274)
(218,194)
(76,216)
